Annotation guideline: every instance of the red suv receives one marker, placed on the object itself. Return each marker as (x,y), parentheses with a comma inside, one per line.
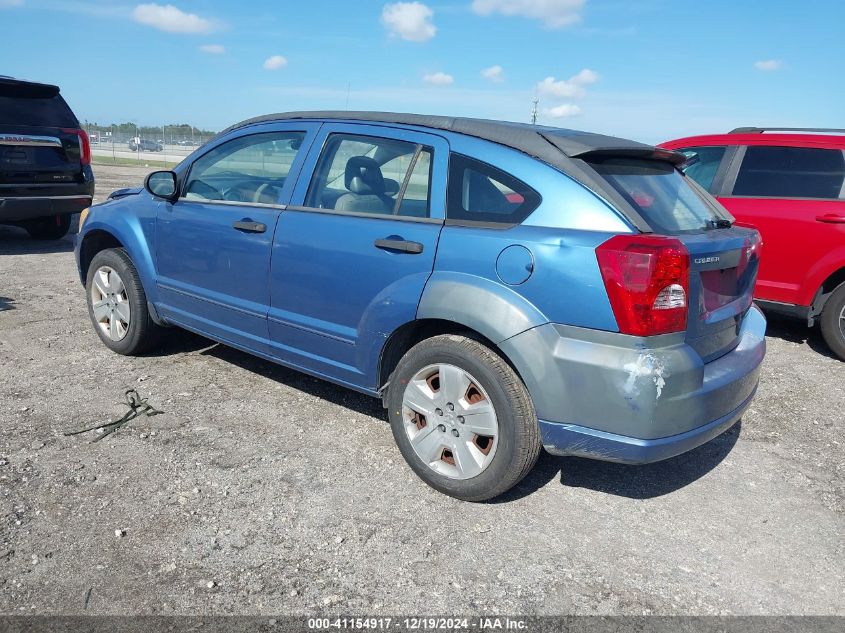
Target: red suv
(790,185)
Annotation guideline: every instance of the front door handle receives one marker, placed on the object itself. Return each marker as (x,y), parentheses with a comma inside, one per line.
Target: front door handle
(402,246)
(248,226)
(831,218)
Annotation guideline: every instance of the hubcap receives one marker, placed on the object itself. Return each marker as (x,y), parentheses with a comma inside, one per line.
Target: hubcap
(110,303)
(842,322)
(450,421)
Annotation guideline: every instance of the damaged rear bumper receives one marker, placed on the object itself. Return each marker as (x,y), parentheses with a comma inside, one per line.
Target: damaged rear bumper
(632,399)
(580,441)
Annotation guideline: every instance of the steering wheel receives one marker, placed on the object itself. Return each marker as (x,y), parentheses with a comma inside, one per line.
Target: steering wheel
(256,197)
(204,190)
(233,195)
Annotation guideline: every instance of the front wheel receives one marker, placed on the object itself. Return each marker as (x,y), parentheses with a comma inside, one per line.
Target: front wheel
(117,304)
(462,418)
(833,322)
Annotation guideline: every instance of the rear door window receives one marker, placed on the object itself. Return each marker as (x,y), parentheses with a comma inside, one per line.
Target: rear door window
(479,192)
(373,175)
(659,193)
(702,163)
(791,172)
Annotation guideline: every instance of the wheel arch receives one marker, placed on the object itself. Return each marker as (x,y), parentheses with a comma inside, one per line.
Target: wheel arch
(128,235)
(92,243)
(831,283)
(413,332)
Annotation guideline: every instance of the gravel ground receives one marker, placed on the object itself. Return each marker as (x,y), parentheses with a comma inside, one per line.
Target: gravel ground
(263,491)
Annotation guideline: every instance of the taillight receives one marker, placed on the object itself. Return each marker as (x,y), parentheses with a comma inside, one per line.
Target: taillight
(84,144)
(647,282)
(751,250)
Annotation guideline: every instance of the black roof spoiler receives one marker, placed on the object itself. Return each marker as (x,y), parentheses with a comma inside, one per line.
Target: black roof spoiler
(648,153)
(30,89)
(760,130)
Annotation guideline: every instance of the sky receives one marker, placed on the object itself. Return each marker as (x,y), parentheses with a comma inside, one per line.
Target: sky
(650,70)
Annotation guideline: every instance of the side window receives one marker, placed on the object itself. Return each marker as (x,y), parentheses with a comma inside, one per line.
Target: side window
(366,174)
(791,172)
(479,192)
(702,163)
(250,169)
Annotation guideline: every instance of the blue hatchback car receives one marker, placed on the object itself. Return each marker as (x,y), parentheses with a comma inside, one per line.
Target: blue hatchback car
(500,286)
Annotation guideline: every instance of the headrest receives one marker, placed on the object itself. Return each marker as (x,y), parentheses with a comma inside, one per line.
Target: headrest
(363,175)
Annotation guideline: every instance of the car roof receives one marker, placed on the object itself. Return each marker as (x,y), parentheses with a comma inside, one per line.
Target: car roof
(820,138)
(555,146)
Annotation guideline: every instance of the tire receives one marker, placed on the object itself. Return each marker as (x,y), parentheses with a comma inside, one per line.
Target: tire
(511,452)
(54,227)
(833,322)
(128,332)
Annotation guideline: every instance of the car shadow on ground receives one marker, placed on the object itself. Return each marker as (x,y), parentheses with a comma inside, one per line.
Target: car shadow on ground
(796,331)
(635,482)
(645,481)
(16,241)
(181,341)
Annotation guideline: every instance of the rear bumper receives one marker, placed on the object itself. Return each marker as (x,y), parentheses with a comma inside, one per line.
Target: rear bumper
(27,201)
(17,209)
(571,439)
(631,399)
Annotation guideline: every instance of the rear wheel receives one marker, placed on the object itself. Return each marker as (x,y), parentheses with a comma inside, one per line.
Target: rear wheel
(50,228)
(117,304)
(462,418)
(833,322)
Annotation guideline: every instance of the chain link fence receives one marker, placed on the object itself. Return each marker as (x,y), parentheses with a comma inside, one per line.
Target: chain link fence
(129,144)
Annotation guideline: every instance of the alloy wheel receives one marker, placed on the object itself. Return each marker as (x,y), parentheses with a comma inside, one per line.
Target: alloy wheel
(110,303)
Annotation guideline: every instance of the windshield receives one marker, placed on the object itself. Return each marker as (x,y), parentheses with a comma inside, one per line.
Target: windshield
(659,193)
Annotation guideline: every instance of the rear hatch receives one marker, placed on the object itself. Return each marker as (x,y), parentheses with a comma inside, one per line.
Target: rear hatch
(723,259)
(40,139)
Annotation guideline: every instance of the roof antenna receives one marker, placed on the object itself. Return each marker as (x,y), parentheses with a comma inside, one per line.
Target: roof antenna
(348,89)
(534,110)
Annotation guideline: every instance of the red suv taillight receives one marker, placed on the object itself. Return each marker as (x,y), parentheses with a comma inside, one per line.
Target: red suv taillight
(647,282)
(84,144)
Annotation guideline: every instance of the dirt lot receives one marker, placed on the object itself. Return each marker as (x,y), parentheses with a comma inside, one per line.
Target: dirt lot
(264,491)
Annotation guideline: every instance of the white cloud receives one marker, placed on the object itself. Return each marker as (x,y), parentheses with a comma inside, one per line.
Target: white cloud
(409,20)
(275,62)
(439,79)
(494,73)
(213,49)
(563,110)
(572,88)
(768,65)
(166,17)
(553,13)
(6,4)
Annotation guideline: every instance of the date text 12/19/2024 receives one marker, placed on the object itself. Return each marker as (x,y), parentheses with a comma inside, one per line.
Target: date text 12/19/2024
(493,623)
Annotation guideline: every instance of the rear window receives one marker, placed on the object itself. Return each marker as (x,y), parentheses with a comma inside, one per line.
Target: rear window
(791,172)
(659,193)
(21,104)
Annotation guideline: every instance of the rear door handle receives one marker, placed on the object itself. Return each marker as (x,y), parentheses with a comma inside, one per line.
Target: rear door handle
(402,246)
(831,218)
(248,226)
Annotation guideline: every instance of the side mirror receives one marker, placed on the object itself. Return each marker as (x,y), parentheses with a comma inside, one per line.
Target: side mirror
(162,184)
